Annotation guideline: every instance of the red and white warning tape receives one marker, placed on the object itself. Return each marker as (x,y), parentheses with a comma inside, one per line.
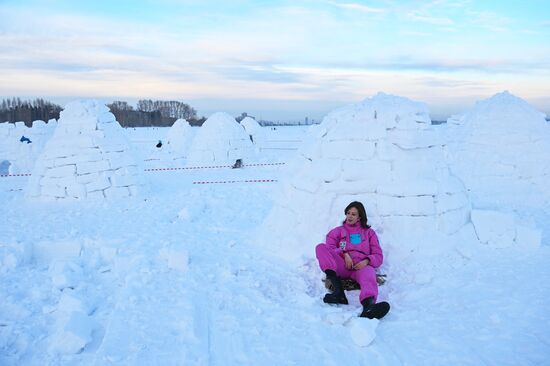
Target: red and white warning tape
(209,167)
(238,181)
(15,175)
(166,169)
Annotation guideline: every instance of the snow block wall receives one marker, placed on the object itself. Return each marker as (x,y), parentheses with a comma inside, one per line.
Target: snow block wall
(86,157)
(179,139)
(17,156)
(500,150)
(385,153)
(220,140)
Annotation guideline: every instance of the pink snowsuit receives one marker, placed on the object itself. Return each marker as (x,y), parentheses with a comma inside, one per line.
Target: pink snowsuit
(360,244)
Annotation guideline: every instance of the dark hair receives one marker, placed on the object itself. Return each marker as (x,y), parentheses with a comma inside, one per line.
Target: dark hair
(362,213)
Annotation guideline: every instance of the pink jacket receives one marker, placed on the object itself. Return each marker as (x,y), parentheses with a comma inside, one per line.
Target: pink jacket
(360,243)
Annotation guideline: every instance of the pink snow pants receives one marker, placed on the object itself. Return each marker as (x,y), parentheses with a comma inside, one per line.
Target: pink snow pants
(365,277)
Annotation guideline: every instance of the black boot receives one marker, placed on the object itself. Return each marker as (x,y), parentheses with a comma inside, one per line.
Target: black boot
(372,310)
(338,296)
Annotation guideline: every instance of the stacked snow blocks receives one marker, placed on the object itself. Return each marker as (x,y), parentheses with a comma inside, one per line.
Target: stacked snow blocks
(19,155)
(385,153)
(501,151)
(221,140)
(87,157)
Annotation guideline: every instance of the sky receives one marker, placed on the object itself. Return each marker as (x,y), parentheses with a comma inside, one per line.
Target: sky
(276,60)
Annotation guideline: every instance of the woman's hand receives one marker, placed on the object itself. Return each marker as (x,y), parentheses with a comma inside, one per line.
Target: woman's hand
(361,264)
(348,260)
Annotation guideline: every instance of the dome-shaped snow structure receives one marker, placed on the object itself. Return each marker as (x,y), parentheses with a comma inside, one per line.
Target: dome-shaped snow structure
(383,152)
(179,139)
(253,129)
(21,145)
(501,151)
(86,157)
(220,140)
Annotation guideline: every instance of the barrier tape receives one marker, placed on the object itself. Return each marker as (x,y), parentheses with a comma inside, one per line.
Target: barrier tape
(238,181)
(188,168)
(210,167)
(166,169)
(15,175)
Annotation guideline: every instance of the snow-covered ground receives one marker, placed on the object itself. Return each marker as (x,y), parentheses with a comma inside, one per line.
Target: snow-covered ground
(180,275)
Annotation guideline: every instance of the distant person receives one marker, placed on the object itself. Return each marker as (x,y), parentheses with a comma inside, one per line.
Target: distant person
(352,251)
(159,145)
(25,139)
(238,164)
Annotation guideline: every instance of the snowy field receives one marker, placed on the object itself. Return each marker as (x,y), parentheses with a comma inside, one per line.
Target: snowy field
(187,272)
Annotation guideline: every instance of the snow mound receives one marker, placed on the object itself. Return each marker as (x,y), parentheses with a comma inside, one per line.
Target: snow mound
(220,140)
(179,139)
(500,150)
(87,156)
(385,153)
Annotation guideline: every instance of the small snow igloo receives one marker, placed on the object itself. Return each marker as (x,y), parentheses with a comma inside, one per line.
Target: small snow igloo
(179,139)
(87,157)
(385,153)
(221,140)
(21,145)
(254,130)
(500,149)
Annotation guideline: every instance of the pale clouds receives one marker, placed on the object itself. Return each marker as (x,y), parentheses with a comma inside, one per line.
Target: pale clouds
(359,7)
(335,51)
(441,21)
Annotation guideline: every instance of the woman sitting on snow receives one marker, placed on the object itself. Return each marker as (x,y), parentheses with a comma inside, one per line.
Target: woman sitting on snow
(352,251)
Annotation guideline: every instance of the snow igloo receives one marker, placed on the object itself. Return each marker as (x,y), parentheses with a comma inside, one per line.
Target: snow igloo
(21,145)
(221,140)
(385,153)
(254,130)
(87,157)
(500,149)
(179,139)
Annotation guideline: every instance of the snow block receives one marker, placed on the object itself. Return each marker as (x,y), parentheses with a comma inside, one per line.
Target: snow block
(46,252)
(362,331)
(527,237)
(405,206)
(175,259)
(494,228)
(65,274)
(74,335)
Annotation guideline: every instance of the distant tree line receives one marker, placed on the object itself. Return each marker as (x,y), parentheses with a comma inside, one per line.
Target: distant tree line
(153,113)
(148,113)
(15,110)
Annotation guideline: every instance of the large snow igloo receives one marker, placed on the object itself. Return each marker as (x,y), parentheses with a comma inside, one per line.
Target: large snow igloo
(500,149)
(87,157)
(385,153)
(221,140)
